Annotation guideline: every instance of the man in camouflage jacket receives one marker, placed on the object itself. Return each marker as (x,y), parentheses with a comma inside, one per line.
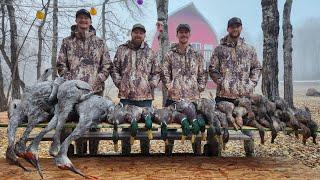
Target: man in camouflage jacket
(183,69)
(85,57)
(136,73)
(136,70)
(234,65)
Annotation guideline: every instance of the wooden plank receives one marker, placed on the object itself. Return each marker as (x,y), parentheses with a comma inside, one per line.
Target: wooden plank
(142,126)
(140,135)
(4,124)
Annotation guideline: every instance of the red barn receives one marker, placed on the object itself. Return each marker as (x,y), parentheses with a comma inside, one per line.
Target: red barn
(203,36)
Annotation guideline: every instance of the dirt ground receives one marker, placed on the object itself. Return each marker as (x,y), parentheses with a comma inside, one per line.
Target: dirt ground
(177,167)
(287,158)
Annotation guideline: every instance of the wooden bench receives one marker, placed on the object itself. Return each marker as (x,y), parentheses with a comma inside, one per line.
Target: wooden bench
(174,133)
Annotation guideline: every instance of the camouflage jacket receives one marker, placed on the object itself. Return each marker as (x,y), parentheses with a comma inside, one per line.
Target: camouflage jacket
(234,68)
(184,74)
(84,58)
(135,72)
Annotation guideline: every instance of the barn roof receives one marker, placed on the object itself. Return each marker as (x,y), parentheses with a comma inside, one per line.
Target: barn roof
(191,8)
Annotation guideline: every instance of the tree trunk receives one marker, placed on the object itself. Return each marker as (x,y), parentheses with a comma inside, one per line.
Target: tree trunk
(14,51)
(103,13)
(3,99)
(40,38)
(54,38)
(270,28)
(162,12)
(287,53)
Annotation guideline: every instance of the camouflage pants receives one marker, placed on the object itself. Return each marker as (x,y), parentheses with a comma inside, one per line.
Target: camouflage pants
(169,102)
(144,103)
(144,143)
(219,99)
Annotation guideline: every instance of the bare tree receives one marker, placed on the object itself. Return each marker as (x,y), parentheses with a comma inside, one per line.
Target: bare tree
(12,61)
(103,14)
(11,53)
(162,12)
(287,52)
(54,38)
(3,99)
(306,45)
(113,27)
(40,38)
(270,28)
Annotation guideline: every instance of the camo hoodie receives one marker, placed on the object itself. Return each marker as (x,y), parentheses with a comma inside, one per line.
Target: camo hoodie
(184,74)
(234,68)
(135,72)
(84,57)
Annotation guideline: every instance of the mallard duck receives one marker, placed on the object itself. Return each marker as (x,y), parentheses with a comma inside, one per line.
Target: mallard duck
(188,108)
(147,115)
(306,123)
(185,125)
(239,112)
(264,111)
(227,108)
(163,117)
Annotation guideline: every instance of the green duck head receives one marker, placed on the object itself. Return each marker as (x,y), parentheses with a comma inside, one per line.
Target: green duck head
(134,128)
(202,125)
(148,121)
(185,127)
(195,126)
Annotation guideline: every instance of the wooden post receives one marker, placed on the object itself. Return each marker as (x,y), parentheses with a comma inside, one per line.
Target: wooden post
(145,146)
(212,148)
(249,144)
(169,147)
(196,147)
(126,146)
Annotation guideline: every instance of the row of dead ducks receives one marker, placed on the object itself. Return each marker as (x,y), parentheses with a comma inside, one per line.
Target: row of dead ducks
(58,100)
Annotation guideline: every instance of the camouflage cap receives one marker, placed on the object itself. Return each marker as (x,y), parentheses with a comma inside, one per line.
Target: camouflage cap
(234,21)
(84,12)
(138,26)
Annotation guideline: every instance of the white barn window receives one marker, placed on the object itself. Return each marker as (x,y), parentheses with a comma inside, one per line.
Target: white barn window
(196,46)
(207,51)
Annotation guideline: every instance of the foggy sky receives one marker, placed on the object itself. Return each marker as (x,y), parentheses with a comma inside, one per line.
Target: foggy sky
(217,12)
